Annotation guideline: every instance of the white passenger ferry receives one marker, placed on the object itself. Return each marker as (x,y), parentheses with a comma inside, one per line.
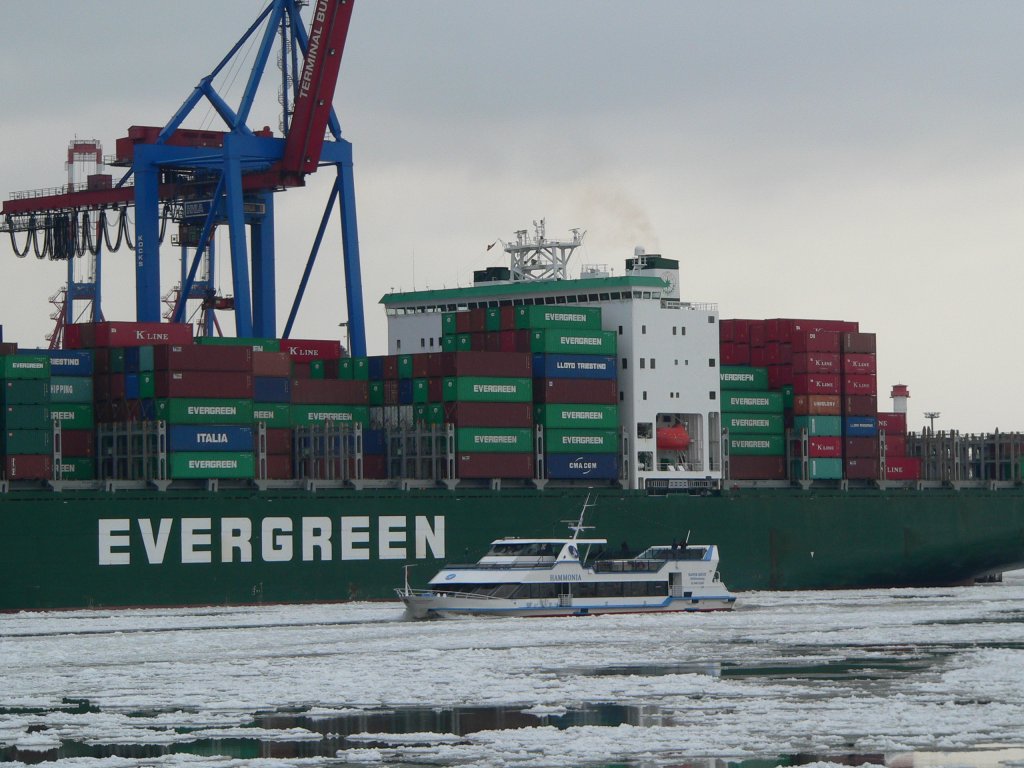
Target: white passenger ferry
(573,577)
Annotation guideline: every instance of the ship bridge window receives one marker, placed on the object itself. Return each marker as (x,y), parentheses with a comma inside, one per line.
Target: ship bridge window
(711,362)
(560,300)
(604,296)
(618,295)
(549,299)
(591,297)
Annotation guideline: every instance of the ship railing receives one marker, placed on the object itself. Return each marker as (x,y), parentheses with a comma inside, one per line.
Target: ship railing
(539,563)
(401,592)
(628,566)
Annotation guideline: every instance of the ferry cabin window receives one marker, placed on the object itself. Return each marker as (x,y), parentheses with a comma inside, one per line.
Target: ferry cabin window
(532,549)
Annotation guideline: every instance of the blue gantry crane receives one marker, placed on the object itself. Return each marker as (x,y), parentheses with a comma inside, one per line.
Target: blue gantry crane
(200,179)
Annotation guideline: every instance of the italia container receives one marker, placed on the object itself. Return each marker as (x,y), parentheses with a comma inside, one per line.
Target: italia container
(573,342)
(26,417)
(819,426)
(579,318)
(583,466)
(743,377)
(329,413)
(577,416)
(574,367)
(493,440)
(751,402)
(589,391)
(202,465)
(204,411)
(193,437)
(274,415)
(581,440)
(71,389)
(756,445)
(754,423)
(494,465)
(24,367)
(74,415)
(481,389)
(25,391)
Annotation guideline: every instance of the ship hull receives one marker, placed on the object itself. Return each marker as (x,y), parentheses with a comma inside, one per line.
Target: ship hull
(134,548)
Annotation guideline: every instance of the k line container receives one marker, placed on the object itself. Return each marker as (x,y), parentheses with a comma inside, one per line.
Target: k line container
(70,389)
(574,366)
(816,362)
(329,413)
(756,445)
(24,367)
(860,385)
(816,384)
(493,440)
(581,440)
(207,465)
(902,468)
(25,391)
(572,341)
(204,411)
(494,465)
(585,466)
(481,389)
(274,415)
(751,402)
(125,334)
(864,364)
(892,423)
(577,416)
(312,349)
(743,377)
(193,437)
(818,426)
(825,447)
(754,423)
(579,318)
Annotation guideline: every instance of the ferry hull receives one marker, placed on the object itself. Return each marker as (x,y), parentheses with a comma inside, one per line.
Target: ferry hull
(90,548)
(453,608)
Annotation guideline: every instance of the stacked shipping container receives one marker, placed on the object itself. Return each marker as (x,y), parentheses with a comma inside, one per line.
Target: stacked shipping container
(752,414)
(27,446)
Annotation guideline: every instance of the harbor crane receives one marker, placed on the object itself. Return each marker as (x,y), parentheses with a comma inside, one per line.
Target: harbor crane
(200,179)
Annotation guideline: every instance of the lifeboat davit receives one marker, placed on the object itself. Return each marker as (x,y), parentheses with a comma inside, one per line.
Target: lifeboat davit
(673,439)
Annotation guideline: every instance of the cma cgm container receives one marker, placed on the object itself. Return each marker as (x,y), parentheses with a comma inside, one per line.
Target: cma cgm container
(584,466)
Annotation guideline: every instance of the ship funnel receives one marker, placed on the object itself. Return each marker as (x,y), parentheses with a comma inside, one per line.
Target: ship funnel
(900,394)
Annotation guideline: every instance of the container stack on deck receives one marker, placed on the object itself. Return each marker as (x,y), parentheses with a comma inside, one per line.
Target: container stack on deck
(71,404)
(27,448)
(753,416)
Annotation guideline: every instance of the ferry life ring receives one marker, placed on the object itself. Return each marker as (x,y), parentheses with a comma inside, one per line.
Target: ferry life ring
(673,438)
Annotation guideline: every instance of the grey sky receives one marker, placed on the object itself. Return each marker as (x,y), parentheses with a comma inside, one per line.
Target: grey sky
(854,160)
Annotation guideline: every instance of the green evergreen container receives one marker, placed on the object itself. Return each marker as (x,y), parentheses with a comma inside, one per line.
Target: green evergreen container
(787,396)
(564,416)
(449,342)
(570,341)
(360,368)
(754,423)
(316,370)
(818,426)
(581,440)
(74,415)
(751,402)
(756,445)
(743,377)
(376,393)
(147,385)
(181,410)
(481,389)
(579,318)
(493,440)
(464,342)
(257,344)
(26,391)
(448,323)
(117,360)
(36,442)
(274,415)
(78,468)
(200,465)
(421,390)
(24,367)
(341,415)
(26,417)
(429,414)
(405,366)
(492,320)
(69,389)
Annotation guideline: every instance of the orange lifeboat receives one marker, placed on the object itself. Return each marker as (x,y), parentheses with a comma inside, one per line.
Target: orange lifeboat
(673,439)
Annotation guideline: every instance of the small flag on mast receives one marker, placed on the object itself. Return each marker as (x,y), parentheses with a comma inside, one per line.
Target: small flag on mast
(492,245)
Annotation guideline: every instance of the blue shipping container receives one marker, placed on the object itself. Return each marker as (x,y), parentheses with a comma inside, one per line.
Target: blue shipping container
(405,391)
(200,437)
(271,389)
(574,367)
(860,426)
(147,409)
(131,386)
(66,362)
(375,367)
(586,466)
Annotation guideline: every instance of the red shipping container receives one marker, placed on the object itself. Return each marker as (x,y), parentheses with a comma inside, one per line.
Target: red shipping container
(735,353)
(312,349)
(514,341)
(100,361)
(757,468)
(726,330)
(503,364)
(488,465)
(776,330)
(421,365)
(473,321)
(815,341)
(895,446)
(389,367)
(279,467)
(73,337)
(435,390)
(815,362)
(817,405)
(330,391)
(586,391)
(28,467)
(115,386)
(391,392)
(275,364)
(77,443)
(892,423)
(227,384)
(825,447)
(817,326)
(508,318)
(375,467)
(860,385)
(779,376)
(492,341)
(858,343)
(861,447)
(301,370)
(861,468)
(860,405)
(816,384)
(758,357)
(741,331)
(860,364)
(435,365)
(123,334)
(489,414)
(906,468)
(757,333)
(279,442)
(199,357)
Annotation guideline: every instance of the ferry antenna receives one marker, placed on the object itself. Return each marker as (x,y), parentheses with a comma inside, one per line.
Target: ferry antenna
(577,526)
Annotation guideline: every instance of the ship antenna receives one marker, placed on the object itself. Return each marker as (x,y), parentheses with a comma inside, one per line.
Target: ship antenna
(578,526)
(406,568)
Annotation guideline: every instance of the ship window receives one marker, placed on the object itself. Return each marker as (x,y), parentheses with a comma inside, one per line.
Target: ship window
(620,330)
(604,296)
(652,363)
(622,396)
(634,589)
(712,395)
(625,363)
(682,330)
(608,589)
(617,295)
(645,394)
(711,319)
(643,362)
(644,429)
(560,300)
(647,294)
(549,299)
(643,329)
(423,343)
(398,344)
(591,297)
(711,362)
(674,329)
(585,589)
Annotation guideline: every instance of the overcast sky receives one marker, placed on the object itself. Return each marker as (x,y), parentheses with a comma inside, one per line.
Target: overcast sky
(851,160)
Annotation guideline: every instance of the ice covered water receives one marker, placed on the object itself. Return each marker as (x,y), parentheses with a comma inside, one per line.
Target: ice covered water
(904,678)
